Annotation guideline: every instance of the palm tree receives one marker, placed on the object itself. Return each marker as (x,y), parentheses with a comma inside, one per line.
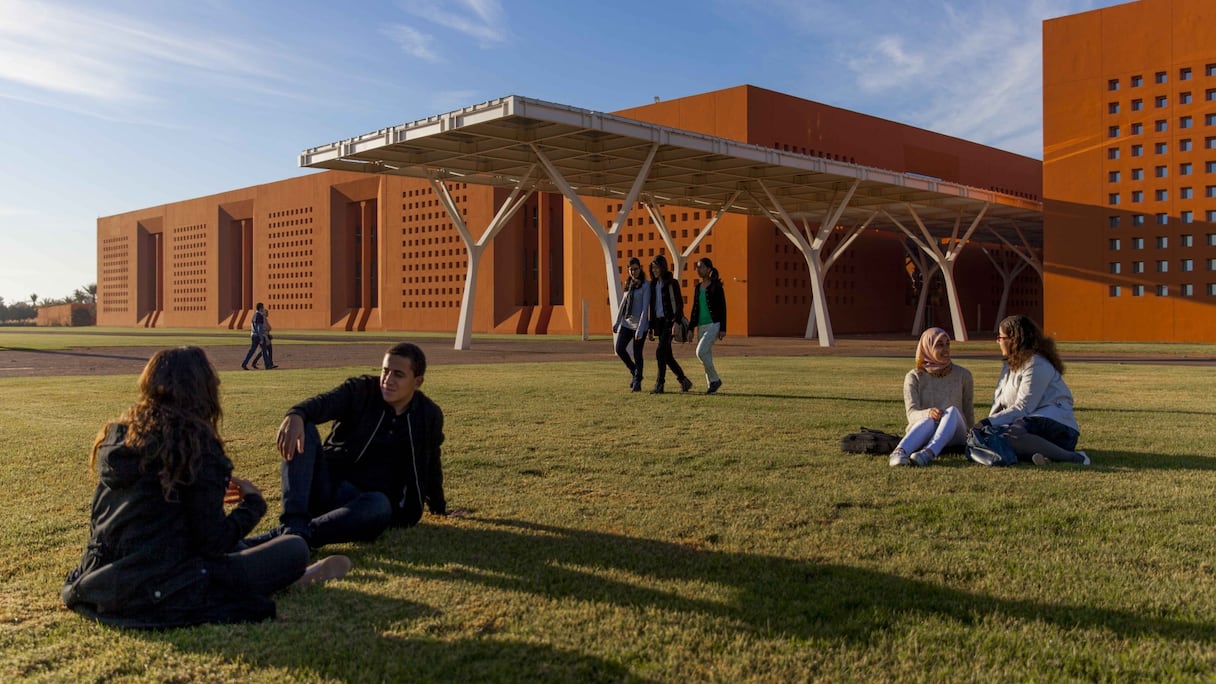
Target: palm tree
(33,300)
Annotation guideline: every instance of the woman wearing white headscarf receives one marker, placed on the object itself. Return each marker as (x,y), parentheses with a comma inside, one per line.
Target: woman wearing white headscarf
(938,398)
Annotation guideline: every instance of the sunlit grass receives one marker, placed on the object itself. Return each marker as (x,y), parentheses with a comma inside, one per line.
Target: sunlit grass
(617,536)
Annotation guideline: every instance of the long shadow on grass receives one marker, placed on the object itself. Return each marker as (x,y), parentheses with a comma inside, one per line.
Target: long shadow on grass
(765,595)
(330,632)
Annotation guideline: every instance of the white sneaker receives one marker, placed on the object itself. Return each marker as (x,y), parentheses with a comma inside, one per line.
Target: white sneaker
(922,457)
(1084,456)
(899,457)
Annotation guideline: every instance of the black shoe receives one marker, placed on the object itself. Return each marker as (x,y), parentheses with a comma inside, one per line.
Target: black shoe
(256,367)
(636,385)
(658,388)
(713,387)
(272,367)
(685,384)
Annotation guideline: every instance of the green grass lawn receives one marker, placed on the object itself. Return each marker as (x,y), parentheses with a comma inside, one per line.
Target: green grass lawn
(617,536)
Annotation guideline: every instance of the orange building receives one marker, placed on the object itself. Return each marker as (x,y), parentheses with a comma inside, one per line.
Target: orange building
(362,251)
(1129,172)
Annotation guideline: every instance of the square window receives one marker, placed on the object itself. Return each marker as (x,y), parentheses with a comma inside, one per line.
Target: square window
(1187,290)
(1160,126)
(1163,266)
(1137,174)
(1184,145)
(1209,94)
(1209,143)
(1137,290)
(1184,169)
(1163,291)
(1160,77)
(1138,104)
(1137,150)
(1209,119)
(1161,148)
(1114,243)
(1112,177)
(1212,264)
(1137,128)
(1113,152)
(1137,196)
(1186,193)
(1113,199)
(1112,132)
(1212,289)
(1160,101)
(1138,81)
(1112,84)
(1115,267)
(1161,171)
(1185,122)
(1138,220)
(1210,166)
(1184,74)
(1137,243)
(1187,265)
(1112,108)
(1162,241)
(1211,239)
(1114,290)
(1112,221)
(1162,219)
(1184,98)
(1187,240)
(1162,195)
(1211,218)
(1210,70)
(1209,191)
(1137,267)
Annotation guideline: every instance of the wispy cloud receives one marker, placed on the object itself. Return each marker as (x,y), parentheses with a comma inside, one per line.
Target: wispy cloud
(412,41)
(113,60)
(481,21)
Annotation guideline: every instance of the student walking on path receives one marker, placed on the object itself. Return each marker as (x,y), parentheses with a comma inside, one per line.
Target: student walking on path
(632,322)
(666,310)
(709,318)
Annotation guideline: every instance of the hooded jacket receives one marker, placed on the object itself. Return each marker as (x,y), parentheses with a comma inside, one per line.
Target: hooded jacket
(357,409)
(144,565)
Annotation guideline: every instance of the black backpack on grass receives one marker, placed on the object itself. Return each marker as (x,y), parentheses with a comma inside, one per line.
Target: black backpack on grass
(869,442)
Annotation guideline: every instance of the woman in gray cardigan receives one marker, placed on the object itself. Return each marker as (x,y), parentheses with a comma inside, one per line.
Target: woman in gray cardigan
(938,398)
(1031,397)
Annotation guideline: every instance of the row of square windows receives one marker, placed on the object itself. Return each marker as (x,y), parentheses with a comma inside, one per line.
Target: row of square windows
(1163,266)
(1160,125)
(1161,171)
(1184,145)
(1185,290)
(1163,241)
(1160,101)
(1184,74)
(1160,218)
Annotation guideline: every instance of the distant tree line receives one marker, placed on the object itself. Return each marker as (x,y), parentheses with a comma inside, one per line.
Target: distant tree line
(28,311)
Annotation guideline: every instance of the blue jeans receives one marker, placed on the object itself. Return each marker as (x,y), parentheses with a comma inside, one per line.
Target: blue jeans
(325,511)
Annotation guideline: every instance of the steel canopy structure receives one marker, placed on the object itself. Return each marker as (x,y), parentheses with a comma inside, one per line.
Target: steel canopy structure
(529,145)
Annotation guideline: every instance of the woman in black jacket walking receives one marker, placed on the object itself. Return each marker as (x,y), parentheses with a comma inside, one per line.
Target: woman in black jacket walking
(162,551)
(666,310)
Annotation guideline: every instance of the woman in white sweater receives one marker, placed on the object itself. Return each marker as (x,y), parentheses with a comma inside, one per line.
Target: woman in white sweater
(938,398)
(1031,397)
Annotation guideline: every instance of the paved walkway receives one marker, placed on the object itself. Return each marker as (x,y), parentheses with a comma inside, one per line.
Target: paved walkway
(310,352)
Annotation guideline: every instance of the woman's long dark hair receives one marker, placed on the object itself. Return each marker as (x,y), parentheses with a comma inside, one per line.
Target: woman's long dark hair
(1026,340)
(175,420)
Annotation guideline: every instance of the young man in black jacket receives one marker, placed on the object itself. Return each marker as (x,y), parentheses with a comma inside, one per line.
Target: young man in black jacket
(380,463)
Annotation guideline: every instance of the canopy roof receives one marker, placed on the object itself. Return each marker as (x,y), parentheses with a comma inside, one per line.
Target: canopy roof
(601,155)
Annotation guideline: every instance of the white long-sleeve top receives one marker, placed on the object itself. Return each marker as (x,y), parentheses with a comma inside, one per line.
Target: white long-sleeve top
(1036,389)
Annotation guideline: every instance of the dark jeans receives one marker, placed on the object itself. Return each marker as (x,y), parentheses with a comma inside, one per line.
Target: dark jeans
(323,510)
(262,569)
(255,342)
(663,354)
(624,336)
(1058,434)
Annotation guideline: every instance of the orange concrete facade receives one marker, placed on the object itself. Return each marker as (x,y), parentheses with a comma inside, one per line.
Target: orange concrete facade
(338,250)
(1129,172)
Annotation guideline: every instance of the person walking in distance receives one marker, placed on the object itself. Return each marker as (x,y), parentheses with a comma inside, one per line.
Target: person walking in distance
(709,318)
(666,310)
(632,321)
(257,338)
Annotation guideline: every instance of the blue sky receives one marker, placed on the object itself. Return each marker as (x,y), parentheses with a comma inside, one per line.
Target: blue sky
(112,105)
